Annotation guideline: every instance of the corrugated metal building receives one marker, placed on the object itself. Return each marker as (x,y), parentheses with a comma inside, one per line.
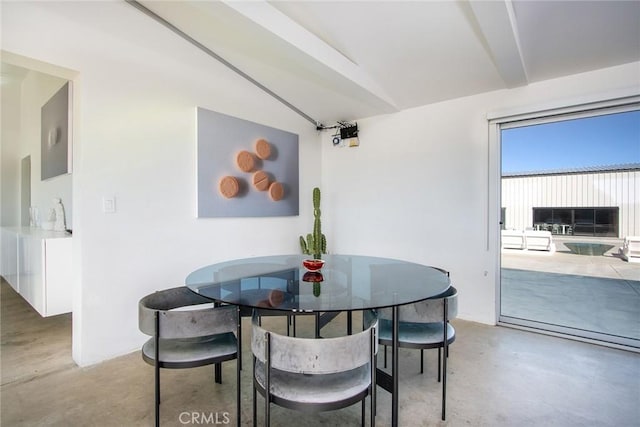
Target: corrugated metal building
(595,201)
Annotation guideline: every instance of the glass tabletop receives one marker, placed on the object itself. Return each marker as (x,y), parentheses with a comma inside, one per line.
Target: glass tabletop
(344,283)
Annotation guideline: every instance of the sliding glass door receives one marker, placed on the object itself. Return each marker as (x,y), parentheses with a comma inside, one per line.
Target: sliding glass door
(570,194)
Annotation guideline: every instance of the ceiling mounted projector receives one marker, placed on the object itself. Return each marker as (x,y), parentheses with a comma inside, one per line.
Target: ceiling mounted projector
(349,131)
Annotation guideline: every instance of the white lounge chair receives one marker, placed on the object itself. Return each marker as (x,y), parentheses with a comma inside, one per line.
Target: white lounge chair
(630,250)
(539,241)
(528,240)
(513,239)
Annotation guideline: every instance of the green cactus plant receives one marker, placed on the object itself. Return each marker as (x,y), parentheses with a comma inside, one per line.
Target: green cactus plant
(316,243)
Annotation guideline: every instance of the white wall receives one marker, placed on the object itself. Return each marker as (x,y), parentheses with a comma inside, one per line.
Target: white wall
(136,93)
(422,185)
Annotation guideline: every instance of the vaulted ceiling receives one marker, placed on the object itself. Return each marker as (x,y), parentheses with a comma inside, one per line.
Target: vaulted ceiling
(342,60)
(345,60)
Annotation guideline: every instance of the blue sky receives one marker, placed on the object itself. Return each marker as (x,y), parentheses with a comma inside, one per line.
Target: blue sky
(594,141)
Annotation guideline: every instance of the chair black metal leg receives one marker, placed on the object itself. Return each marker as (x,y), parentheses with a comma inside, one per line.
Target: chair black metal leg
(362,412)
(374,399)
(294,326)
(238,388)
(444,387)
(255,410)
(372,422)
(439,363)
(157,381)
(395,373)
(267,412)
(385,356)
(445,350)
(267,381)
(374,371)
(239,338)
(373,410)
(422,360)
(218,372)
(156,366)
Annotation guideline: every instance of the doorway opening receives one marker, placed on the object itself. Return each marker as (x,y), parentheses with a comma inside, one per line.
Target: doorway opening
(569,193)
(38,274)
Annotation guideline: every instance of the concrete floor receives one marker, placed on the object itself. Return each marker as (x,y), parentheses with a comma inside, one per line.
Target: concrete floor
(497,377)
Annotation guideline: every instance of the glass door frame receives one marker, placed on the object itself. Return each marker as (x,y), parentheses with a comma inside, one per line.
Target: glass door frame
(594,106)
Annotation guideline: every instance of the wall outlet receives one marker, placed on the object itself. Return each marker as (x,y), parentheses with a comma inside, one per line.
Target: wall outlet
(109,204)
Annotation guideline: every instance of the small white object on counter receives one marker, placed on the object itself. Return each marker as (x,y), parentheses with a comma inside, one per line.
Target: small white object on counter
(60,223)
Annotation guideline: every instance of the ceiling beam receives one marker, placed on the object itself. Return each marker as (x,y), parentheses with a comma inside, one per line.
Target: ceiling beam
(498,25)
(214,55)
(279,24)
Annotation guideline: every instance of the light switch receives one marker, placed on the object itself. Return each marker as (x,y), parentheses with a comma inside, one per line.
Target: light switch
(109,204)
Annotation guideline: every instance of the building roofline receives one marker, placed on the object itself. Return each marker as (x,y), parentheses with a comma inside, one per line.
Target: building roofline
(573,171)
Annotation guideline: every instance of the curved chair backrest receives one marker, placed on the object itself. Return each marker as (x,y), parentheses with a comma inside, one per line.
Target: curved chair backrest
(315,356)
(428,311)
(184,323)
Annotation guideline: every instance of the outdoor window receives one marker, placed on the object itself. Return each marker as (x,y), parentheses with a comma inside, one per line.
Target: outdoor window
(577,221)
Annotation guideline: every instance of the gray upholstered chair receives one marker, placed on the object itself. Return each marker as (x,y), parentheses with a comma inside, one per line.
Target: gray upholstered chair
(314,375)
(424,325)
(189,335)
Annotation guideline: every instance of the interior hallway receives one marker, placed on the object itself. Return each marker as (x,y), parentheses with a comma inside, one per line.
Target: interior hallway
(497,377)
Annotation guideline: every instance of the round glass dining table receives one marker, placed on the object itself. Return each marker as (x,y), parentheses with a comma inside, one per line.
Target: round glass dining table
(343,283)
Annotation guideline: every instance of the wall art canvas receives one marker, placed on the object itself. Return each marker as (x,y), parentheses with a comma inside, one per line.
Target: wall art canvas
(245,169)
(55,134)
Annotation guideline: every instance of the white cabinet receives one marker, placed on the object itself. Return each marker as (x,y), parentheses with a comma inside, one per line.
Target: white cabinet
(44,268)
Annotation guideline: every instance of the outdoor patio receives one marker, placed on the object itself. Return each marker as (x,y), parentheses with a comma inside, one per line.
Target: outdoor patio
(599,293)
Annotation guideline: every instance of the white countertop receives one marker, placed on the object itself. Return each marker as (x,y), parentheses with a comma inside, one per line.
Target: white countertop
(38,232)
